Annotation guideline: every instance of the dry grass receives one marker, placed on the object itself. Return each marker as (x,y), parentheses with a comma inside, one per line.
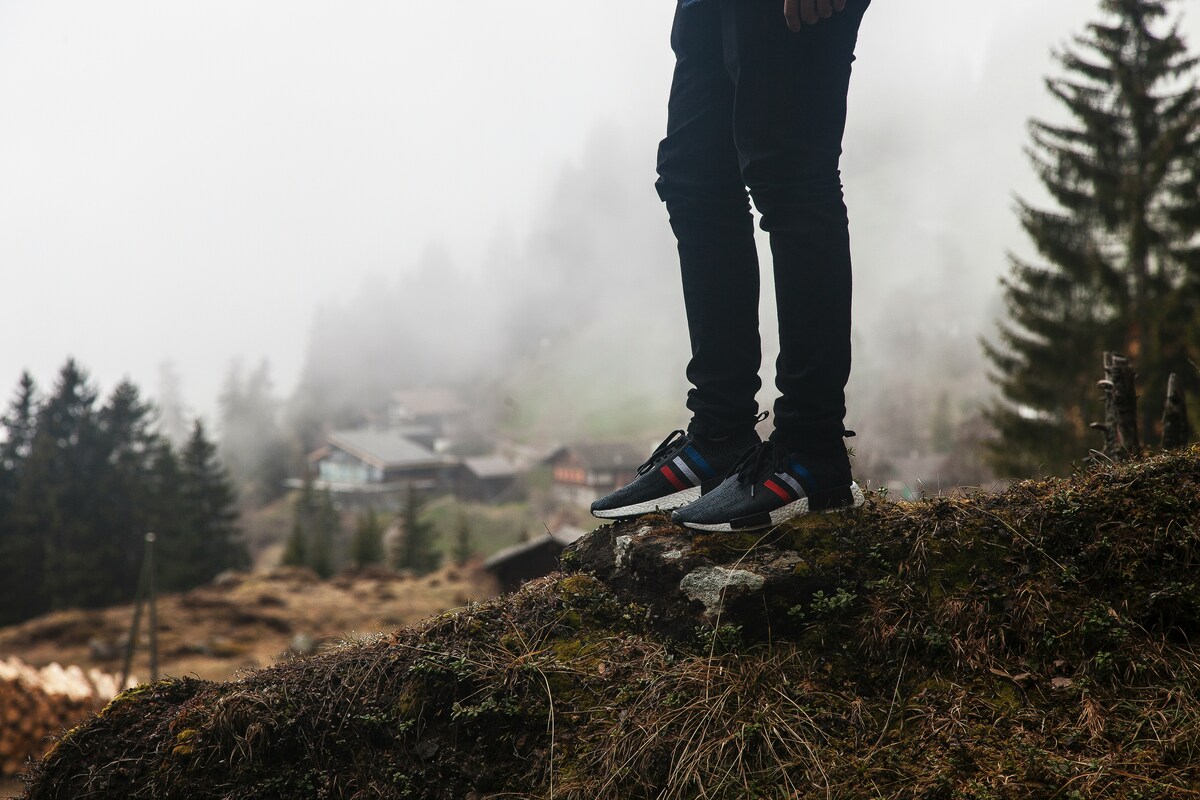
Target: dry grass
(245,622)
(1035,644)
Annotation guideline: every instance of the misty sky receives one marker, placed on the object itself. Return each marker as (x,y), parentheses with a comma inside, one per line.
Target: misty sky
(189,181)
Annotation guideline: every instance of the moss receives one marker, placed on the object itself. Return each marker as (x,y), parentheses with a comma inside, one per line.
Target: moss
(580,587)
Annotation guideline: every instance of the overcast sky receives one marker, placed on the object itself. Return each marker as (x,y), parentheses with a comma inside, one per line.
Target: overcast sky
(188,181)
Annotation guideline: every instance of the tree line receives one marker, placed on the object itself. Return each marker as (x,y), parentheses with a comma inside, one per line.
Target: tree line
(83,480)
(316,539)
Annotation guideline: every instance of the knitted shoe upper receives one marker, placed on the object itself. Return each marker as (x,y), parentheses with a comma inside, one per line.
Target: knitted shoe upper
(766,479)
(680,463)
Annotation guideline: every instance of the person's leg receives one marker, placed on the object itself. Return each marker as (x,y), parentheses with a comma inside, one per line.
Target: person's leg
(789,117)
(700,181)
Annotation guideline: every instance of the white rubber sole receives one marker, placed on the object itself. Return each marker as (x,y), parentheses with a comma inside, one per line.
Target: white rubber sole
(669,502)
(782,514)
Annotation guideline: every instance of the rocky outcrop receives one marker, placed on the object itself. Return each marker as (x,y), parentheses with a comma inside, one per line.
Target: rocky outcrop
(1035,643)
(763,582)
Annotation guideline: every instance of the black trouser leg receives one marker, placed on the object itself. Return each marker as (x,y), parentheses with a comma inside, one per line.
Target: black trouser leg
(789,117)
(781,97)
(701,183)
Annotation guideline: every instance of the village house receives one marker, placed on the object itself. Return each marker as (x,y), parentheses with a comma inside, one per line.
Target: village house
(438,411)
(487,479)
(584,473)
(376,468)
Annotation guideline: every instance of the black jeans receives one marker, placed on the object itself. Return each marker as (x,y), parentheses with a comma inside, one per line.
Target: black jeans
(757,110)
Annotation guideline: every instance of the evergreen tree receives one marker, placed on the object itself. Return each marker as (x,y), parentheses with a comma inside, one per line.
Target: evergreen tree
(1122,269)
(462,542)
(175,543)
(123,496)
(295,551)
(326,527)
(172,413)
(367,546)
(209,510)
(57,495)
(415,551)
(252,443)
(20,547)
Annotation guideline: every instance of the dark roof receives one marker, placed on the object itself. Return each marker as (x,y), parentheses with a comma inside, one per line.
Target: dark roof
(383,449)
(490,466)
(567,534)
(608,455)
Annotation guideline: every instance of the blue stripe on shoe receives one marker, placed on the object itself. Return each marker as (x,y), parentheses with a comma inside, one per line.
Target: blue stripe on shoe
(699,461)
(686,470)
(805,476)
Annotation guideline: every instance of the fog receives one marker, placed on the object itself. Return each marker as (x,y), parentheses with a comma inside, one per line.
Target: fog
(198,183)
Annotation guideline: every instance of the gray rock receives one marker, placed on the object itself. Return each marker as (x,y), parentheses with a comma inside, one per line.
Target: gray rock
(689,582)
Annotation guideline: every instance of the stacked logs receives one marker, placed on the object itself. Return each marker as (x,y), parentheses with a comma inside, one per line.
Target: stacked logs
(36,703)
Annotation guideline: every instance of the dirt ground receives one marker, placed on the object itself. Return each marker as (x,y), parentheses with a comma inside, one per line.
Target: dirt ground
(244,621)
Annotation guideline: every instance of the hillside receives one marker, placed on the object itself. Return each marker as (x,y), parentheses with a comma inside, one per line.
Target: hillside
(243,621)
(1028,644)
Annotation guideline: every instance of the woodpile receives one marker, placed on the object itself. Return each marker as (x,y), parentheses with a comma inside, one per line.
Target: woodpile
(37,703)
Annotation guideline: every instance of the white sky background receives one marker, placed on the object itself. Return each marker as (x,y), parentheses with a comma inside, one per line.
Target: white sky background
(188,181)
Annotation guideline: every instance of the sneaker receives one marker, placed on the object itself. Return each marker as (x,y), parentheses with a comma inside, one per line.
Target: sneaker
(678,472)
(767,487)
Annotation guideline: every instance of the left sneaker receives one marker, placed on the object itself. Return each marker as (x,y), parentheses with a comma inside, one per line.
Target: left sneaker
(768,487)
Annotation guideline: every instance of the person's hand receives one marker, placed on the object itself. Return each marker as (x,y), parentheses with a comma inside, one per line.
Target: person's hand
(810,11)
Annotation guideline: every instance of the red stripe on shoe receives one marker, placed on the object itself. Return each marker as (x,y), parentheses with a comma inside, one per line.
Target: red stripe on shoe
(779,490)
(673,478)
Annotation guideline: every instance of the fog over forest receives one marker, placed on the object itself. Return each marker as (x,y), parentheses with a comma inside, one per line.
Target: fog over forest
(384,194)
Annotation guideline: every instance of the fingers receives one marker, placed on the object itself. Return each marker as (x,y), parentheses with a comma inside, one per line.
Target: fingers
(791,12)
(809,11)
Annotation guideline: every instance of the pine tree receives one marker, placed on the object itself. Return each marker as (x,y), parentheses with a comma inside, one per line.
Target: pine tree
(123,495)
(57,495)
(326,527)
(172,413)
(1122,270)
(462,542)
(175,543)
(295,551)
(415,550)
(367,547)
(20,547)
(252,443)
(209,509)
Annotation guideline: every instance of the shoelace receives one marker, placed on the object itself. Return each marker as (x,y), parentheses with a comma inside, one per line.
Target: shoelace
(667,445)
(753,463)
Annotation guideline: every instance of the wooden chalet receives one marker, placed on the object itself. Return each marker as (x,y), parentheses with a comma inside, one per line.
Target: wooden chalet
(377,467)
(584,473)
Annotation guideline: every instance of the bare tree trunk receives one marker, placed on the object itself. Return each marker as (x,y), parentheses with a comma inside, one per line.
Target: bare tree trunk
(1175,422)
(1120,426)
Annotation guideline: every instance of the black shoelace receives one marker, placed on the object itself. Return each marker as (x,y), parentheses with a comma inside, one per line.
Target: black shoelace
(670,443)
(753,463)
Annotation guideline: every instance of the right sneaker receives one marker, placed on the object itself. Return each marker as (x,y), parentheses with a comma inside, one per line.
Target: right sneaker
(678,472)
